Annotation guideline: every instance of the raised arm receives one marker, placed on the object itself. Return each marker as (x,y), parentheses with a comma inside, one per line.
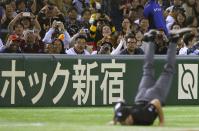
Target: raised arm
(158,106)
(12,23)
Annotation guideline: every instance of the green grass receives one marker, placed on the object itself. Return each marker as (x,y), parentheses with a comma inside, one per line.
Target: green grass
(90,119)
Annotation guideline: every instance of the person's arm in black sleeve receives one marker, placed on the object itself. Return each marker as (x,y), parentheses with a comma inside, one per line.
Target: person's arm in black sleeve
(158,106)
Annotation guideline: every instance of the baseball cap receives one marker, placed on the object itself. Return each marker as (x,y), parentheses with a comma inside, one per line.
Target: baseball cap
(121,112)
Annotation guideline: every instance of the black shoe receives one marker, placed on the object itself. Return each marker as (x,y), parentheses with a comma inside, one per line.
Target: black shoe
(150,36)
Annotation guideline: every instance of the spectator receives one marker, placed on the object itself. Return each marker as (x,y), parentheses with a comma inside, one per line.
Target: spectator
(176,3)
(171,18)
(79,47)
(189,7)
(63,5)
(126,26)
(161,43)
(188,40)
(28,20)
(105,46)
(18,29)
(181,19)
(56,47)
(9,15)
(114,13)
(13,45)
(72,24)
(175,26)
(20,6)
(47,15)
(86,15)
(26,6)
(132,48)
(140,11)
(80,5)
(143,25)
(96,29)
(139,36)
(57,30)
(31,43)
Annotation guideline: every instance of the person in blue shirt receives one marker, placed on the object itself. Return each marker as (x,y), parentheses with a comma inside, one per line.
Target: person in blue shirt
(153,12)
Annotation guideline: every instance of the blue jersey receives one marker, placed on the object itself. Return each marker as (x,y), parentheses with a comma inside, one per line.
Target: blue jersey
(153,12)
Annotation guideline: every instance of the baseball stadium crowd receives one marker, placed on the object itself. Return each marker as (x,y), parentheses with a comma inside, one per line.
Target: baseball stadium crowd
(92,27)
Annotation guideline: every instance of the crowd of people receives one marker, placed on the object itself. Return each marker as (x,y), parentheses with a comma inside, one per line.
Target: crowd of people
(92,27)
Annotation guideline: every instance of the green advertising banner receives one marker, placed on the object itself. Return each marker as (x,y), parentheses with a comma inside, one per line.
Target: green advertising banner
(61,81)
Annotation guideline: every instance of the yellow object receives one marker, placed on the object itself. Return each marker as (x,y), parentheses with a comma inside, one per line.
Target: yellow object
(61,37)
(93,28)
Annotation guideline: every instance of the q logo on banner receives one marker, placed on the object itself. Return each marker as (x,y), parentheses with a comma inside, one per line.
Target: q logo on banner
(188,81)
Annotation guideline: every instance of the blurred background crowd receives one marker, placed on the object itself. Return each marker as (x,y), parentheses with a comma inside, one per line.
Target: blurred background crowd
(92,27)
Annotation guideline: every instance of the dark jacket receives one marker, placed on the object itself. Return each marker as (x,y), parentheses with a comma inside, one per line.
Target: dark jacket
(137,51)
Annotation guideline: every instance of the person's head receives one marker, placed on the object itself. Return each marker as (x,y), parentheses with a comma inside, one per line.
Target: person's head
(197,7)
(106,30)
(122,114)
(191,2)
(56,47)
(126,23)
(13,4)
(9,9)
(131,42)
(26,21)
(101,19)
(144,24)
(105,45)
(174,12)
(175,26)
(86,14)
(177,2)
(189,39)
(30,36)
(139,36)
(18,28)
(72,13)
(50,10)
(105,48)
(181,18)
(80,43)
(135,3)
(133,14)
(21,5)
(140,11)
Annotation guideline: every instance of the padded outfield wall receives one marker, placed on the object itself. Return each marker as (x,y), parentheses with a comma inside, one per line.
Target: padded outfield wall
(61,81)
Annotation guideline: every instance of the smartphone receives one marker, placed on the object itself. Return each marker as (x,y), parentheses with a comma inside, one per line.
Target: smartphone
(26,14)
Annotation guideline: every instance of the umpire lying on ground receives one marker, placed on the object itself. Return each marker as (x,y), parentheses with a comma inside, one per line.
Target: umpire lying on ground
(151,94)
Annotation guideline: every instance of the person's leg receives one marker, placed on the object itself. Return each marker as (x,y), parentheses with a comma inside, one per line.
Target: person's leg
(162,86)
(147,79)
